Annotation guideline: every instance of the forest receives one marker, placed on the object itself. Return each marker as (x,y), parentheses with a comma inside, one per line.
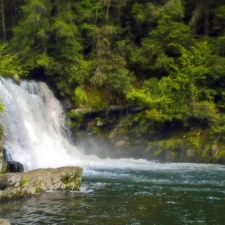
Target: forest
(167,56)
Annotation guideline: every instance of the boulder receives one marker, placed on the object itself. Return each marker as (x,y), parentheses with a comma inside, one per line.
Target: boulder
(3,163)
(16,79)
(4,222)
(7,165)
(36,181)
(14,167)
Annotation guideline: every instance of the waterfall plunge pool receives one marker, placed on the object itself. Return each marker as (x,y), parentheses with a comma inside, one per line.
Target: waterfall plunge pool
(113,191)
(139,193)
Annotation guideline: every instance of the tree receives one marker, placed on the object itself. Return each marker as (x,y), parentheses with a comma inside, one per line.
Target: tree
(47,37)
(3,19)
(179,96)
(65,48)
(9,64)
(204,11)
(31,35)
(105,47)
(161,46)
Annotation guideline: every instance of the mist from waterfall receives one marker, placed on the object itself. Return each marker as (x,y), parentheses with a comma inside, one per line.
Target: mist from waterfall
(36,134)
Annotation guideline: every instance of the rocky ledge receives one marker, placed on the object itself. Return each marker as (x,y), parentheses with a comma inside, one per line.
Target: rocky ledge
(36,181)
(4,222)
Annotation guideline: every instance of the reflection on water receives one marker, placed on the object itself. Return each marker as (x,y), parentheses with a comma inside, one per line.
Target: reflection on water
(159,194)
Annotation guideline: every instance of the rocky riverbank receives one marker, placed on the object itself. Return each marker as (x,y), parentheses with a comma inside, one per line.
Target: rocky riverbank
(13,185)
(123,132)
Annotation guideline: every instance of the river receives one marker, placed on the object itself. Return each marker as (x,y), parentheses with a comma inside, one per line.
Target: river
(133,192)
(113,191)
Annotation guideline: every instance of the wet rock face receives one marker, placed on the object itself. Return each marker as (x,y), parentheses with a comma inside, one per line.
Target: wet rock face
(3,163)
(14,167)
(14,185)
(9,166)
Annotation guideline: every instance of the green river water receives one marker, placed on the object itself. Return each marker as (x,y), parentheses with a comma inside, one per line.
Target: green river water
(128,191)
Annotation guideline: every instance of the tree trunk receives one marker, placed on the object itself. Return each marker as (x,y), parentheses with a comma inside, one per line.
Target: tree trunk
(3,20)
(107,19)
(206,31)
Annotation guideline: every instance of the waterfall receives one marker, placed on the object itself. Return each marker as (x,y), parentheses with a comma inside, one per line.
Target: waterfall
(36,134)
(35,131)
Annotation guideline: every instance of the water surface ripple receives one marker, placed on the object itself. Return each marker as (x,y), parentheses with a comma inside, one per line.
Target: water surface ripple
(134,193)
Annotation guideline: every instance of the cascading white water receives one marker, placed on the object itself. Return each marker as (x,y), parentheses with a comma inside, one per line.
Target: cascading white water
(35,131)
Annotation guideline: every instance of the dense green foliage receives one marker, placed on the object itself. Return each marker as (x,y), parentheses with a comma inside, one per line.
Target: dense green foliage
(166,55)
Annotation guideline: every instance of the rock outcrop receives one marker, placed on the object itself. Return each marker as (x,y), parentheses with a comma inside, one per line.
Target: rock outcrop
(14,167)
(36,181)
(8,166)
(3,163)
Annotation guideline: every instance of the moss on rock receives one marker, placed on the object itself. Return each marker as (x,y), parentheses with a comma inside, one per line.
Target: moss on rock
(14,185)
(3,164)
(23,181)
